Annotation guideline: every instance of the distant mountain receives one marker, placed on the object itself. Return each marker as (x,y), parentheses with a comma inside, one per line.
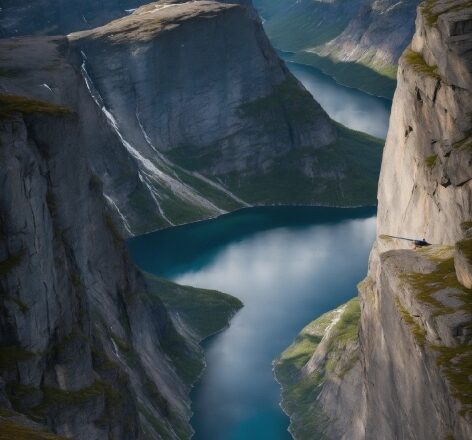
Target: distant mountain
(356,41)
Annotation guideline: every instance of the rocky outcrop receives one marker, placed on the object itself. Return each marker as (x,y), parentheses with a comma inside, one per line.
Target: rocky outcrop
(415,347)
(72,306)
(376,36)
(144,195)
(322,362)
(139,84)
(84,342)
(155,119)
(156,70)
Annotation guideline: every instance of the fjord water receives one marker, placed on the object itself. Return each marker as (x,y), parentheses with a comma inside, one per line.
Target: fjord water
(288,265)
(351,107)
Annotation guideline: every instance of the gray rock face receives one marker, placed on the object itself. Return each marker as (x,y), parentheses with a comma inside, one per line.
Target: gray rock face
(377,34)
(415,340)
(148,77)
(168,71)
(371,32)
(138,191)
(425,182)
(79,337)
(463,262)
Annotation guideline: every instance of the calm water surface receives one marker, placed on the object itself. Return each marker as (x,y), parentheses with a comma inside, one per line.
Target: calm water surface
(350,107)
(288,265)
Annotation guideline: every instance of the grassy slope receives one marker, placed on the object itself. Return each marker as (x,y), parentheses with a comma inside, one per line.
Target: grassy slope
(345,174)
(300,389)
(14,426)
(203,312)
(311,24)
(455,362)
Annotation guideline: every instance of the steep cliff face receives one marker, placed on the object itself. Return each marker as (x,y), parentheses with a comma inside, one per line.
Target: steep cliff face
(376,36)
(168,71)
(140,84)
(73,308)
(87,349)
(425,183)
(143,194)
(357,42)
(415,347)
(416,297)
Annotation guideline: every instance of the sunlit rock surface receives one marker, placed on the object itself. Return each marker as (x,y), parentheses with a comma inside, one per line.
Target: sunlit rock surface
(415,349)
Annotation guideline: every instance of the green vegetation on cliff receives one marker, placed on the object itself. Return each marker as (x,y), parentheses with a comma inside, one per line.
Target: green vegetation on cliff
(11,104)
(197,313)
(416,61)
(334,339)
(14,426)
(344,173)
(305,26)
(455,362)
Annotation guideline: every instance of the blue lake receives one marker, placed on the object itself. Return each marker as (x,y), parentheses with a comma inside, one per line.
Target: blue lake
(288,265)
(351,107)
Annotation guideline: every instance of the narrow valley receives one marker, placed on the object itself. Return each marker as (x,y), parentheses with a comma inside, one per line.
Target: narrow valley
(235,220)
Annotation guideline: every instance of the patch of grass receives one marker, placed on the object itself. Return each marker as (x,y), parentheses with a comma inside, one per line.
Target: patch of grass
(7,265)
(113,229)
(20,304)
(466,225)
(301,389)
(431,161)
(416,61)
(465,246)
(56,397)
(456,364)
(75,280)
(416,329)
(9,72)
(11,104)
(204,311)
(10,355)
(442,277)
(12,430)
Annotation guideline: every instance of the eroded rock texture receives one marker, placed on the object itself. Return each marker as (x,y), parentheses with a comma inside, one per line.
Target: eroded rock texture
(413,376)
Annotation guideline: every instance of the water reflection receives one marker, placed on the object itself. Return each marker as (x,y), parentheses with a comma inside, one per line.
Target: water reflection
(288,265)
(285,277)
(350,107)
